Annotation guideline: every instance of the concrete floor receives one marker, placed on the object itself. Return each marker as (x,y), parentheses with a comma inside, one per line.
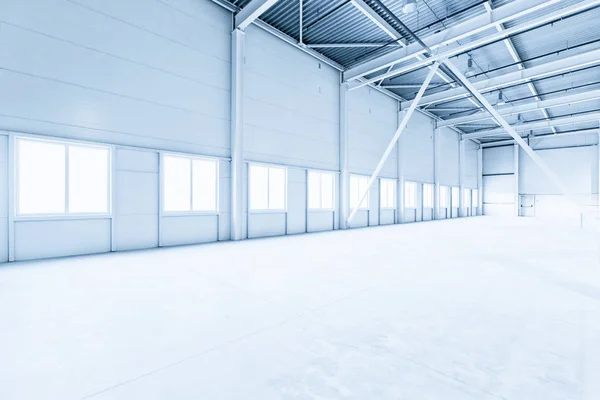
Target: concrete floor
(464,309)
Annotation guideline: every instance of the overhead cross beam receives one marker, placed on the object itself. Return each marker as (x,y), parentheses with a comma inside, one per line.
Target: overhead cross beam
(390,147)
(251,12)
(560,121)
(448,36)
(548,69)
(510,130)
(389,29)
(454,51)
(533,106)
(516,58)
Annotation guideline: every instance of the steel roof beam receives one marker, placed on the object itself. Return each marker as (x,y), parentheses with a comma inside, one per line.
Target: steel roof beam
(350,45)
(390,30)
(534,23)
(252,11)
(462,30)
(550,135)
(549,69)
(560,121)
(533,106)
(516,58)
(506,127)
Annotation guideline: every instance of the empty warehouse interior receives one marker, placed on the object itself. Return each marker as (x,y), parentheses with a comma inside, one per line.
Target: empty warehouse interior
(299,199)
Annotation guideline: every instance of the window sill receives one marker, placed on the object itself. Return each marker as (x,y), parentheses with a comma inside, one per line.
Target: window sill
(320,210)
(60,217)
(170,214)
(267,212)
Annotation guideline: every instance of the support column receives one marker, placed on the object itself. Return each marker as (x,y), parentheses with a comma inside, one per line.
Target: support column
(480,181)
(516,169)
(400,187)
(344,192)
(598,172)
(436,173)
(237,134)
(462,209)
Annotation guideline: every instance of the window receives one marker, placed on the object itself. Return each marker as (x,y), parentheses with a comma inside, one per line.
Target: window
(410,195)
(443,196)
(387,193)
(475,198)
(320,190)
(358,185)
(189,184)
(455,197)
(427,195)
(467,198)
(56,177)
(267,188)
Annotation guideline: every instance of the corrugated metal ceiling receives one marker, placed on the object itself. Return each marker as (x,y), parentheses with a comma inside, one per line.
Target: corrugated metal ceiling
(339,22)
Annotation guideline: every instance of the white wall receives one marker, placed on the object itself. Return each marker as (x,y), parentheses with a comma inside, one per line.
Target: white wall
(136,72)
(417,149)
(154,76)
(3,198)
(573,158)
(499,184)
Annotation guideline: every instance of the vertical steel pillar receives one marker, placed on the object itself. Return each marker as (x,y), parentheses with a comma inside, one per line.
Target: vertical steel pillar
(516,169)
(344,173)
(400,187)
(480,181)
(237,134)
(598,172)
(436,173)
(462,210)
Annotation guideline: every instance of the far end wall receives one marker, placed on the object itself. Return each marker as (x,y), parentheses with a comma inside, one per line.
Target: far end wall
(514,185)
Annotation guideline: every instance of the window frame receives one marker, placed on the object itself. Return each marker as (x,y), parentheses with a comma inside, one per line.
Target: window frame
(415,196)
(367,206)
(455,191)
(190,157)
(333,190)
(268,210)
(447,203)
(14,175)
(394,191)
(475,203)
(432,197)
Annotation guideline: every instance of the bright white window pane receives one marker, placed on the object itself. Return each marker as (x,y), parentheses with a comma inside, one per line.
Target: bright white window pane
(326,191)
(314,190)
(276,188)
(177,177)
(443,196)
(410,195)
(455,197)
(204,185)
(41,177)
(259,187)
(362,186)
(383,193)
(475,199)
(428,196)
(88,179)
(467,197)
(353,191)
(388,188)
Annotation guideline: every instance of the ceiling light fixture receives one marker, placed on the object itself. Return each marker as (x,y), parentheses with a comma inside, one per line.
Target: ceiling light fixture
(409,6)
(501,101)
(470,69)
